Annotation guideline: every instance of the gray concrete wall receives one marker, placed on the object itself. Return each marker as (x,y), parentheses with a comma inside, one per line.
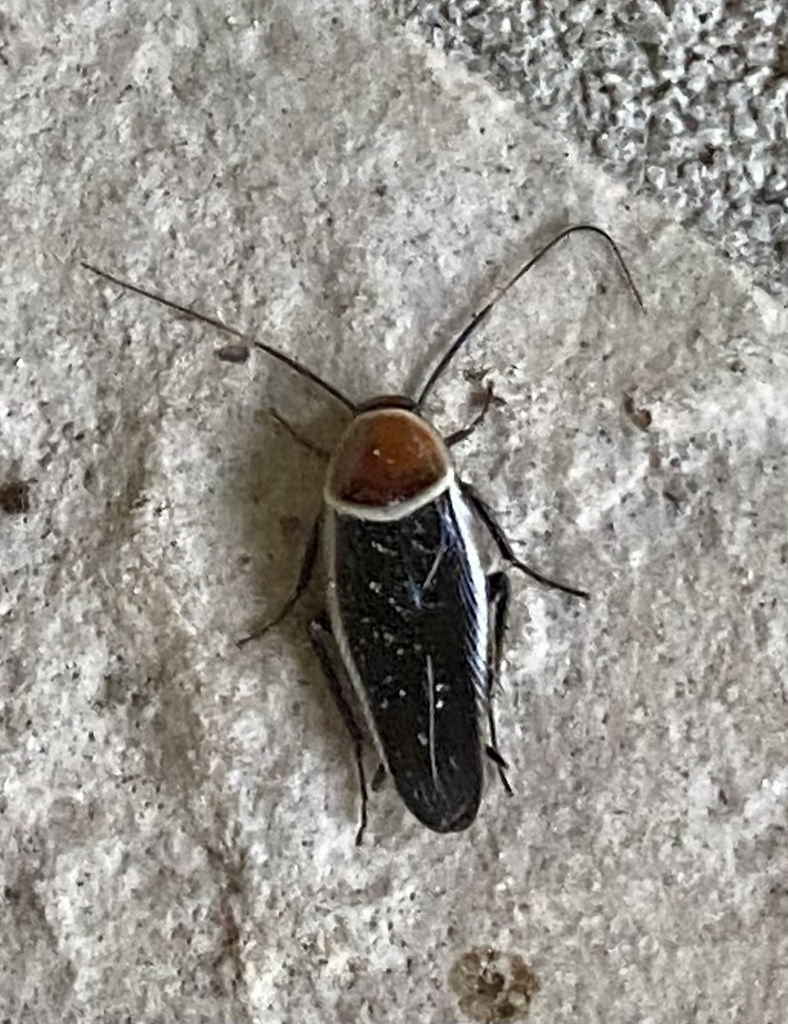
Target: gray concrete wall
(176,815)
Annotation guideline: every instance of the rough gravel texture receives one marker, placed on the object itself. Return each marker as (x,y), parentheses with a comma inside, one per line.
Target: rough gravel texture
(686,100)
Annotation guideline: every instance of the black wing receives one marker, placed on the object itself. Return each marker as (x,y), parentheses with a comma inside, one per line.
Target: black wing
(411,618)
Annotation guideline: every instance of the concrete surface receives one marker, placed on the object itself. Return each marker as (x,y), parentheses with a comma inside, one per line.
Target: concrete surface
(177,816)
(683,99)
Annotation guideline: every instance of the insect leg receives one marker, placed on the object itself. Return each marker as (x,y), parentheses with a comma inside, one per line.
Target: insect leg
(336,676)
(498,601)
(298,437)
(462,435)
(304,576)
(488,518)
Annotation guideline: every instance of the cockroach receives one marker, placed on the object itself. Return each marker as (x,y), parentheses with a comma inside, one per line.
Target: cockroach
(411,637)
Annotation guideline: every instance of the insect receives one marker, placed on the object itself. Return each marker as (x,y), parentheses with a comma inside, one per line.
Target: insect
(411,637)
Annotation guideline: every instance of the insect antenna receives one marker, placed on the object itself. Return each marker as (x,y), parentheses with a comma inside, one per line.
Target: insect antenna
(232,354)
(482,315)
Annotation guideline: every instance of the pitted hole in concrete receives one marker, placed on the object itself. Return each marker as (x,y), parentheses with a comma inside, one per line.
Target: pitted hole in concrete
(639,417)
(493,986)
(15,497)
